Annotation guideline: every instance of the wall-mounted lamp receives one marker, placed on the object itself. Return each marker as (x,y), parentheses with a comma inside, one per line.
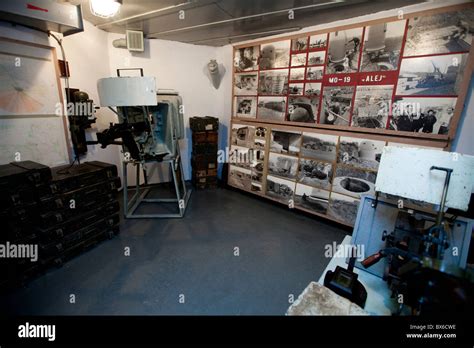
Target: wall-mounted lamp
(105,8)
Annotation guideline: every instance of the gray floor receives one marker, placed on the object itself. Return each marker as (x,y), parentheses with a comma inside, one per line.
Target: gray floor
(281,251)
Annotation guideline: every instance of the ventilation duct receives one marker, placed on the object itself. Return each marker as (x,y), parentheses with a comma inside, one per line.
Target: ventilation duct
(133,41)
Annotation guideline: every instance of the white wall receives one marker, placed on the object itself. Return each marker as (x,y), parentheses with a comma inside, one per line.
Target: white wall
(87,55)
(180,67)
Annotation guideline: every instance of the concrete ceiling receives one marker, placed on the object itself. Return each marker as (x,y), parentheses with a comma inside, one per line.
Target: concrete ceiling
(219,22)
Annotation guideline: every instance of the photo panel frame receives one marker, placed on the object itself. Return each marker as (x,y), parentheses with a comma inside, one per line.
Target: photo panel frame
(242,135)
(299,44)
(246,84)
(423,115)
(354,182)
(311,198)
(336,106)
(344,51)
(315,173)
(382,46)
(280,189)
(282,166)
(360,153)
(245,106)
(343,208)
(275,55)
(319,146)
(271,108)
(318,42)
(372,106)
(432,75)
(273,82)
(298,60)
(440,33)
(302,109)
(240,177)
(246,59)
(285,142)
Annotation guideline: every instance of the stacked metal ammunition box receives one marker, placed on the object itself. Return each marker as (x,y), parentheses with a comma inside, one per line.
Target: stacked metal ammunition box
(62,211)
(204,153)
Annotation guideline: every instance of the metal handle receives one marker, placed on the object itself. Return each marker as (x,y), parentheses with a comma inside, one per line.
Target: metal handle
(119,70)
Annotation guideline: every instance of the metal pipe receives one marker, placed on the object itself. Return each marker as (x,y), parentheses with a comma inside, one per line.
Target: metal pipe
(245,17)
(145,14)
(268,32)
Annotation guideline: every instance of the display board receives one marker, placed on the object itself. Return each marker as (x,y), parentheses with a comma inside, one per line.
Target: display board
(312,113)
(400,76)
(323,172)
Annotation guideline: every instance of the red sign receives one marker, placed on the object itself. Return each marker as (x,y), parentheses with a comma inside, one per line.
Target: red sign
(340,80)
(378,78)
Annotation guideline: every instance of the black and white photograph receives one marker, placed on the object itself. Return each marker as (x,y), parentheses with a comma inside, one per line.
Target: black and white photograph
(260,132)
(440,33)
(311,198)
(287,143)
(314,73)
(297,74)
(354,182)
(240,156)
(258,154)
(279,188)
(319,146)
(275,55)
(298,59)
(318,41)
(317,58)
(300,44)
(245,107)
(344,51)
(382,46)
(361,153)
(273,82)
(245,84)
(217,153)
(434,75)
(282,166)
(296,89)
(246,59)
(256,187)
(259,143)
(315,173)
(257,177)
(257,169)
(242,135)
(302,109)
(343,208)
(239,177)
(336,106)
(271,108)
(372,106)
(312,89)
(423,115)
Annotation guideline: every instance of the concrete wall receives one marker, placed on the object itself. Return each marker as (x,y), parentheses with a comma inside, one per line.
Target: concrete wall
(87,55)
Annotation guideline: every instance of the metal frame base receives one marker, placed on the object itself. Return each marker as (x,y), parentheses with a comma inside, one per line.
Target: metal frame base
(142,190)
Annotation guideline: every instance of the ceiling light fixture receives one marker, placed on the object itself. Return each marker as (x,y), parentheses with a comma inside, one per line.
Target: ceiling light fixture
(105,8)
